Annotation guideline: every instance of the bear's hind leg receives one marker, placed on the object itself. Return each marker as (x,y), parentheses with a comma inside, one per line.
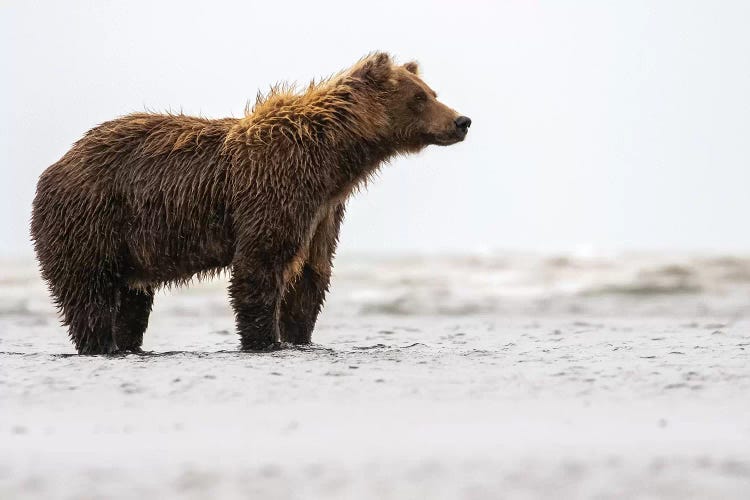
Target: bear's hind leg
(131,319)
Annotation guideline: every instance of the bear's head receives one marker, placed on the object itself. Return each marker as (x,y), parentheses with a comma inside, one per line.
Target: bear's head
(414,116)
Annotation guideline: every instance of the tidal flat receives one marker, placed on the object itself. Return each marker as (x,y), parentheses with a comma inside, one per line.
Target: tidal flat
(442,377)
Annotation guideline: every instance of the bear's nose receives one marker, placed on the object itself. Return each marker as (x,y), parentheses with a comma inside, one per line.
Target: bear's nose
(463,123)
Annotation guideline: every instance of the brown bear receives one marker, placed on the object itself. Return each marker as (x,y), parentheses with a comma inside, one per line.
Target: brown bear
(149,200)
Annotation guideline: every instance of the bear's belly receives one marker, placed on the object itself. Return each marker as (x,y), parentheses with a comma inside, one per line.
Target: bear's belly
(154,262)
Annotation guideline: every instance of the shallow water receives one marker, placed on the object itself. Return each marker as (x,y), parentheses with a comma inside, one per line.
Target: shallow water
(501,376)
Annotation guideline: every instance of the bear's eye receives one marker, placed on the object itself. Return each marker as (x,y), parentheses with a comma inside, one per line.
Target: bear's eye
(420,96)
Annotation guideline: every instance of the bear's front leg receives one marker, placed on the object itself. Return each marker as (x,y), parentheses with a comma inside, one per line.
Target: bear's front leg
(303,299)
(255,292)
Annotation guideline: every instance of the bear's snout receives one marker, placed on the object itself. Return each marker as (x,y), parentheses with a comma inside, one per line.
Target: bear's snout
(462,124)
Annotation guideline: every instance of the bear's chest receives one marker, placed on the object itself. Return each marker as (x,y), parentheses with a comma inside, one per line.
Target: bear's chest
(309,240)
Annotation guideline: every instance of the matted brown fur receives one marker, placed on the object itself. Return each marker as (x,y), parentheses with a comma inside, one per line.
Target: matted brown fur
(149,200)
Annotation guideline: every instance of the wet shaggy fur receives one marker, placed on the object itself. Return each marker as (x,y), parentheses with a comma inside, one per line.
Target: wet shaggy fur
(149,200)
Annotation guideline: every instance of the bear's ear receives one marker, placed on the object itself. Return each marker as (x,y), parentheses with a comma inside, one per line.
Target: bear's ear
(412,67)
(375,68)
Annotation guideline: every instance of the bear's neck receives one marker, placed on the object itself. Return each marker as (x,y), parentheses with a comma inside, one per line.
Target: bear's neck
(356,161)
(358,146)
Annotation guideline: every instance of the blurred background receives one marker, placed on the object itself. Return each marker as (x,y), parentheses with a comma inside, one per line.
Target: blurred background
(598,126)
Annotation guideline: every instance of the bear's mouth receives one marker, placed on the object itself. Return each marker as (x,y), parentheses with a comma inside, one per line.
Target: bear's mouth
(449,139)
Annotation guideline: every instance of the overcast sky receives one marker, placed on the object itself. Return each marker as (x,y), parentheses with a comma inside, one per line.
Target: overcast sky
(596,125)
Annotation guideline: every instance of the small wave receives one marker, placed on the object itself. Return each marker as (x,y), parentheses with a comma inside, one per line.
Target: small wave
(14,307)
(409,304)
(636,289)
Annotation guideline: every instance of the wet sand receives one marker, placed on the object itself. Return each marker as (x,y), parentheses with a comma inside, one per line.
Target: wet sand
(441,377)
